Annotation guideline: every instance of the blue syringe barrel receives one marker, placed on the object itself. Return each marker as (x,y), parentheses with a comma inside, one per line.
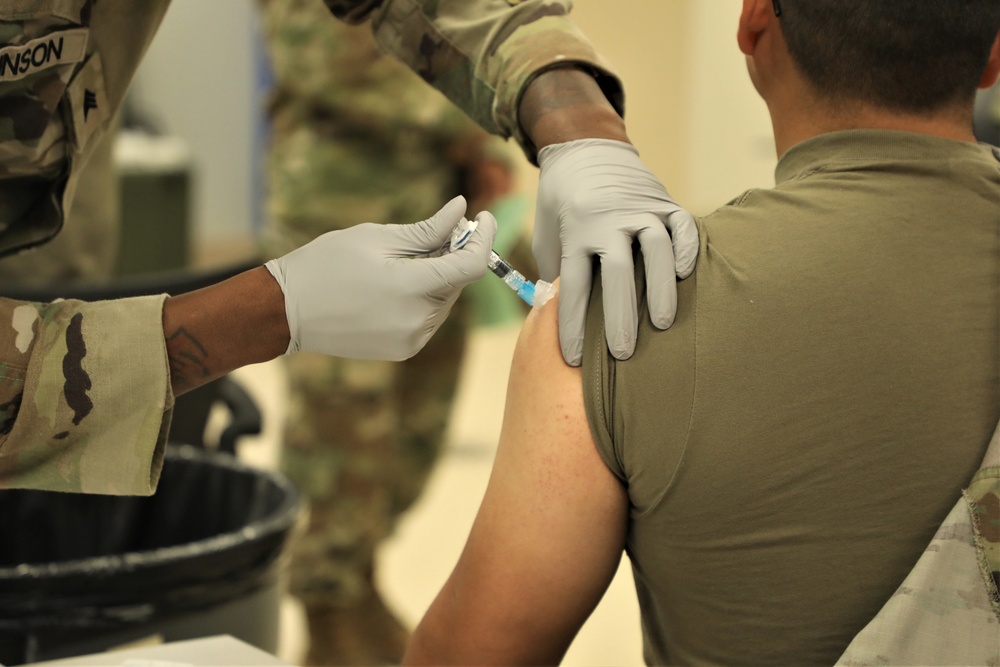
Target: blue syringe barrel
(499,266)
(517,282)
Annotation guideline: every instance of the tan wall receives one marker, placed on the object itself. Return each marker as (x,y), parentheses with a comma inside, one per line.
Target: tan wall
(728,142)
(691,108)
(641,40)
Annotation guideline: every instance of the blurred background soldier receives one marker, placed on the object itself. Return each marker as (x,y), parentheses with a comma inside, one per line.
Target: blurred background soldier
(358,136)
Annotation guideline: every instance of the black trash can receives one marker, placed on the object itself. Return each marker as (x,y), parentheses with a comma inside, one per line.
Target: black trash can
(203,556)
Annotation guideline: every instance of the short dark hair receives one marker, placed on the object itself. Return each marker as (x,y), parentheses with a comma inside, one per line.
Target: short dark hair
(905,55)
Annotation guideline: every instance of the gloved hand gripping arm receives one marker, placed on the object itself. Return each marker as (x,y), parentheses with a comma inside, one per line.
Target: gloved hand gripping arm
(596,196)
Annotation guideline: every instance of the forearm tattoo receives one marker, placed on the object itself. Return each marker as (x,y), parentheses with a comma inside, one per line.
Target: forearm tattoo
(188,360)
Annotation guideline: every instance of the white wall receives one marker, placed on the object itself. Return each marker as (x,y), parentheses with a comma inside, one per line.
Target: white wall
(198,79)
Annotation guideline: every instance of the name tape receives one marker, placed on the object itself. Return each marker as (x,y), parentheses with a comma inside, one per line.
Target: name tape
(58,48)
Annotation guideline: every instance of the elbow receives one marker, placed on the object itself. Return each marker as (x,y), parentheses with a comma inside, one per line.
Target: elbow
(420,649)
(443,644)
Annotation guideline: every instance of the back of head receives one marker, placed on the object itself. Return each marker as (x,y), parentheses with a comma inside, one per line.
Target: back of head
(911,56)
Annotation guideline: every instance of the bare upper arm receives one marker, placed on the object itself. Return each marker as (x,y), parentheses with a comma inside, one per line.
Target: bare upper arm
(549,534)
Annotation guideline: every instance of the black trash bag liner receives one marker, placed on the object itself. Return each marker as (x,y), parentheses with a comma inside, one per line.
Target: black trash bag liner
(214,531)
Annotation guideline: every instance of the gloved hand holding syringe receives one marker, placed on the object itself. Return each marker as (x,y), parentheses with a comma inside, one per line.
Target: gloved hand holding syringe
(534,294)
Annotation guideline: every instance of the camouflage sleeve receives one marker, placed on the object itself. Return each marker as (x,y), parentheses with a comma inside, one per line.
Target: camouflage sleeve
(483,53)
(85,397)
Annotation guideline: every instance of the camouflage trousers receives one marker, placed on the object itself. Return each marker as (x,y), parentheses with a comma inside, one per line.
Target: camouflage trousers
(361,440)
(362,436)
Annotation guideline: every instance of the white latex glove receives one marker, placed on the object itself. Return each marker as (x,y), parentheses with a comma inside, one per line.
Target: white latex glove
(372,291)
(594,197)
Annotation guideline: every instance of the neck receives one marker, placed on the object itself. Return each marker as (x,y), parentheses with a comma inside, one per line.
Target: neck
(795,122)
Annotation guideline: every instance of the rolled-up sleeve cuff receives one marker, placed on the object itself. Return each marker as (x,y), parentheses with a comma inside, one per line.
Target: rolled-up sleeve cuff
(483,55)
(533,49)
(97,400)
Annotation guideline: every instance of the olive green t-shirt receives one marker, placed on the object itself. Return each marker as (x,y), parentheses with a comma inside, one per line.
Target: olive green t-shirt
(791,444)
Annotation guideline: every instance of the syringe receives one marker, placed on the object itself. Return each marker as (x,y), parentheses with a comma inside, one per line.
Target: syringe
(532,293)
(524,287)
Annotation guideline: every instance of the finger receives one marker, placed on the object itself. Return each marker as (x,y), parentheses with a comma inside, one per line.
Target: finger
(545,243)
(684,232)
(621,318)
(468,263)
(661,279)
(480,245)
(574,295)
(547,254)
(430,234)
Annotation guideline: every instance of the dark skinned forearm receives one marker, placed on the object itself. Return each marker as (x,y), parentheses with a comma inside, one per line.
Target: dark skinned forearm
(565,104)
(218,329)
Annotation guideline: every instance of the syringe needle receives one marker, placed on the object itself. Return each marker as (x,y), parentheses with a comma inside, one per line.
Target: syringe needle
(499,266)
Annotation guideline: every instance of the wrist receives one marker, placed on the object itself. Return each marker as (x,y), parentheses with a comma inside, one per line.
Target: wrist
(566,104)
(264,290)
(218,329)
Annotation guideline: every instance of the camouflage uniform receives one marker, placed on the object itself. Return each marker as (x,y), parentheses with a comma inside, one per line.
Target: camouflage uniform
(64,68)
(87,247)
(357,136)
(70,408)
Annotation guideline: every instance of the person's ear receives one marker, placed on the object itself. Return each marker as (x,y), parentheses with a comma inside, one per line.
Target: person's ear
(754,19)
(992,71)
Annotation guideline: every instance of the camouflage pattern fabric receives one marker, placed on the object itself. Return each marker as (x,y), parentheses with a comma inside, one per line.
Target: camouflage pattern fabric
(482,53)
(64,68)
(86,249)
(361,440)
(983,498)
(357,137)
(80,417)
(33,137)
(84,393)
(947,611)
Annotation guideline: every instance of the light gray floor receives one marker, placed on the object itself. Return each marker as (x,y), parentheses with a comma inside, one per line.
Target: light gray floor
(415,562)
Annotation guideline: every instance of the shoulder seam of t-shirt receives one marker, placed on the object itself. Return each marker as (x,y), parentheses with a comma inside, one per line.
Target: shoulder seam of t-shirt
(687,432)
(600,429)
(606,414)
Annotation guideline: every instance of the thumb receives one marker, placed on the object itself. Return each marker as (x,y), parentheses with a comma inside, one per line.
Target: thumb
(468,263)
(430,234)
(684,236)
